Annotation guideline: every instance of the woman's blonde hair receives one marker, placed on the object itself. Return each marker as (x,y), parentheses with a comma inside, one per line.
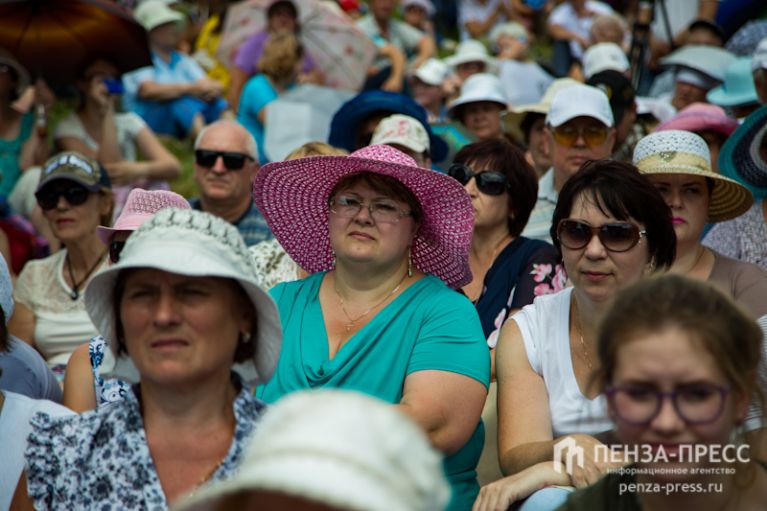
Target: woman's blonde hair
(281,54)
(315,149)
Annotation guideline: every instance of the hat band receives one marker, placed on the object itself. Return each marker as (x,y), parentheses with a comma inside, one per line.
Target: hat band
(675,162)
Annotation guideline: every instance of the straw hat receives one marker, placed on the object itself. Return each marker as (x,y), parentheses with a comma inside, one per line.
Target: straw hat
(683,152)
(701,117)
(343,449)
(740,157)
(293,197)
(193,243)
(140,206)
(479,87)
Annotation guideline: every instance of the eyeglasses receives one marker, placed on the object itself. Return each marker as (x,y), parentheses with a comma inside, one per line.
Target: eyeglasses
(490,182)
(115,248)
(615,237)
(567,135)
(382,211)
(695,403)
(232,161)
(74,194)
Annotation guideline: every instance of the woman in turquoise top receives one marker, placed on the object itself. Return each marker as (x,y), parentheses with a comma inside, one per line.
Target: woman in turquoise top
(383,241)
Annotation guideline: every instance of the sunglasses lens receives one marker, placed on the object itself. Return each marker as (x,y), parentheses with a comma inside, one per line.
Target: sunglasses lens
(459,172)
(76,195)
(233,161)
(48,198)
(114,250)
(619,237)
(491,183)
(205,158)
(574,235)
(568,135)
(565,136)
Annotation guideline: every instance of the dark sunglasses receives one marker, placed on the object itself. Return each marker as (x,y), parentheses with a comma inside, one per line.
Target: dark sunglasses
(232,161)
(115,248)
(615,237)
(490,182)
(74,194)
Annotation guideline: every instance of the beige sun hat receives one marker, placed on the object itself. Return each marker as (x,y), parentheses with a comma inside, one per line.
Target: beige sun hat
(684,152)
(343,449)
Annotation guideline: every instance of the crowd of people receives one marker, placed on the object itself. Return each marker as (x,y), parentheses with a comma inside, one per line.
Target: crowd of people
(520,235)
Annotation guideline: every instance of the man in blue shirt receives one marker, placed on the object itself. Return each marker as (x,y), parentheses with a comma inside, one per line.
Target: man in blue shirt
(174,96)
(226,162)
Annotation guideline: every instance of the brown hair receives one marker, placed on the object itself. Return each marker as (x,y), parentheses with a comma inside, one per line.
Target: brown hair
(315,149)
(281,54)
(383,184)
(719,325)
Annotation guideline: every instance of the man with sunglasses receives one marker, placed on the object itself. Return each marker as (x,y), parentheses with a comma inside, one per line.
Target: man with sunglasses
(225,164)
(579,128)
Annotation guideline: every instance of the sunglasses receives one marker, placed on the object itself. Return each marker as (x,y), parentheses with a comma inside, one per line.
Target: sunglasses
(615,237)
(48,197)
(232,161)
(489,182)
(115,248)
(593,135)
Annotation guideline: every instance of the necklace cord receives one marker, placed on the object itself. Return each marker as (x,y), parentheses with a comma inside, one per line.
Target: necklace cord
(75,294)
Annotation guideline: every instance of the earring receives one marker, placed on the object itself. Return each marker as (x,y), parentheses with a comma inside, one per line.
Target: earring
(245,337)
(409,264)
(333,261)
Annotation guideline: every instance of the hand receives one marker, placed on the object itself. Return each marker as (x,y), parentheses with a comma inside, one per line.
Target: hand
(392,84)
(98,91)
(498,496)
(43,94)
(583,42)
(593,469)
(207,89)
(123,172)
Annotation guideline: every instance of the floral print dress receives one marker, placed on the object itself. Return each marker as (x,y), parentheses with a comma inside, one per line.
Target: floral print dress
(101,460)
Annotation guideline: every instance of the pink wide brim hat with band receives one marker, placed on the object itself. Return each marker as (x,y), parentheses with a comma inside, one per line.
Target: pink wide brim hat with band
(140,206)
(701,117)
(293,196)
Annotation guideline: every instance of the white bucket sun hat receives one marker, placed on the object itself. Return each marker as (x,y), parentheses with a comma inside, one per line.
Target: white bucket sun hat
(343,449)
(479,87)
(193,243)
(472,50)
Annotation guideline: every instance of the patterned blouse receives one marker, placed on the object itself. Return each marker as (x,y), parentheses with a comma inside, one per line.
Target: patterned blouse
(101,460)
(744,238)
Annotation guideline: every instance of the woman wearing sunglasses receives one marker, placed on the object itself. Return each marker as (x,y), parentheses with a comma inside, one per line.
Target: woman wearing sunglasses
(678,362)
(84,387)
(612,229)
(75,196)
(678,164)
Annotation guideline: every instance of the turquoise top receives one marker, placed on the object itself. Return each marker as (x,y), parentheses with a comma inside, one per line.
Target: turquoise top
(10,151)
(428,326)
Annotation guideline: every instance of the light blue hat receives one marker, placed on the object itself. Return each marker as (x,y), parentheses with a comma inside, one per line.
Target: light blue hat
(738,87)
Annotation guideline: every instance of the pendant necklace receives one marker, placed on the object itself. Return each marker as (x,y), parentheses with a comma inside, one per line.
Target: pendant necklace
(75,293)
(350,324)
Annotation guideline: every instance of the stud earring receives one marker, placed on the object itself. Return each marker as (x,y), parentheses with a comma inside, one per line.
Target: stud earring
(245,337)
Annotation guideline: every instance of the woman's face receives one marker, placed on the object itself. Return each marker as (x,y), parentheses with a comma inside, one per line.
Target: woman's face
(180,329)
(489,210)
(483,119)
(363,239)
(74,222)
(688,198)
(596,271)
(100,70)
(671,360)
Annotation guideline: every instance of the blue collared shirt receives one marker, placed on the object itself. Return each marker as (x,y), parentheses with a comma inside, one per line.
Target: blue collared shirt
(181,69)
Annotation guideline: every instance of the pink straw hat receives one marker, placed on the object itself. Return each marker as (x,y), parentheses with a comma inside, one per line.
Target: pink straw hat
(701,117)
(293,197)
(141,205)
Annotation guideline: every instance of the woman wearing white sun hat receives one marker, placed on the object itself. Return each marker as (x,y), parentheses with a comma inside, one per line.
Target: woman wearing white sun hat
(480,105)
(193,333)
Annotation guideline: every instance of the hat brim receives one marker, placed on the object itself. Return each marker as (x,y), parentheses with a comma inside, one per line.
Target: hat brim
(491,64)
(89,186)
(345,123)
(736,159)
(718,96)
(729,199)
(474,99)
(708,60)
(293,197)
(198,261)
(725,126)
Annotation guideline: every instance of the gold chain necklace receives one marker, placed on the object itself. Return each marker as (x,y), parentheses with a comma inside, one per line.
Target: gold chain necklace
(348,326)
(585,355)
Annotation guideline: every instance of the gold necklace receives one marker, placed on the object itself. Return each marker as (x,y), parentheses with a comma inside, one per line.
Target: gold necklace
(348,326)
(585,355)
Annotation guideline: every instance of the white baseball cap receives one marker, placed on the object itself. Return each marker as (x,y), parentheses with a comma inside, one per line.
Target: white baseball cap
(580,101)
(759,59)
(401,130)
(603,56)
(432,72)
